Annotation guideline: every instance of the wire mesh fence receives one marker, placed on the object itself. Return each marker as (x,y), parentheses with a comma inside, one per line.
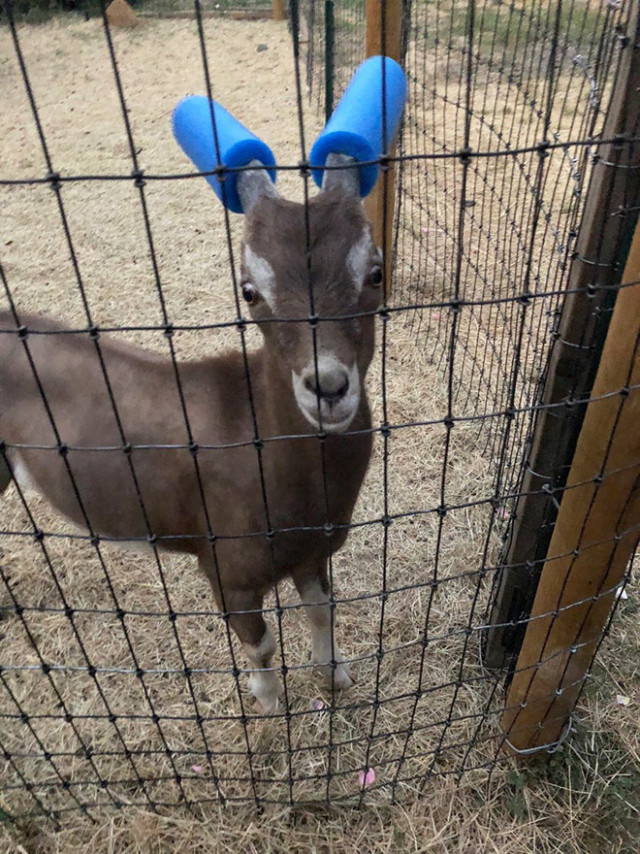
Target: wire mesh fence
(332,38)
(37,11)
(123,684)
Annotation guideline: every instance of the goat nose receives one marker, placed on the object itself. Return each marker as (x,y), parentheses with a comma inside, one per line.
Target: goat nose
(330,385)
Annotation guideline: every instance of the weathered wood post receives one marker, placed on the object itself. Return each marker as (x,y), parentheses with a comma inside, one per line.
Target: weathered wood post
(609,216)
(384,34)
(596,532)
(278,10)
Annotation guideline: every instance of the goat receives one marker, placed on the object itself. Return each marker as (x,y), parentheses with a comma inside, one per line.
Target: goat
(154,491)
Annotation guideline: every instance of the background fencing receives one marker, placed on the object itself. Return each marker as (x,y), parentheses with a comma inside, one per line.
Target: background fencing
(106,702)
(35,11)
(499,80)
(512,84)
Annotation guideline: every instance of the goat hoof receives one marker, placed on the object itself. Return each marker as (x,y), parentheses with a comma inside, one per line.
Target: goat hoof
(268,707)
(266,691)
(340,679)
(343,678)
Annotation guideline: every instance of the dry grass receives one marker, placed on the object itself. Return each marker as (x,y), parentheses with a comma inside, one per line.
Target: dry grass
(585,801)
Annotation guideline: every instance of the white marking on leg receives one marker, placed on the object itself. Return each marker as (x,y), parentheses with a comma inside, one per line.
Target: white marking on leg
(263,683)
(21,473)
(324,649)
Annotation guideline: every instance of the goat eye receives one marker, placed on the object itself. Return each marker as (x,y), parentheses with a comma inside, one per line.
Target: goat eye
(249,293)
(375,277)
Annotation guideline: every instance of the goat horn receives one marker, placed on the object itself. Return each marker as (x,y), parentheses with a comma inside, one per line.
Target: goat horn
(342,172)
(359,127)
(253,184)
(216,142)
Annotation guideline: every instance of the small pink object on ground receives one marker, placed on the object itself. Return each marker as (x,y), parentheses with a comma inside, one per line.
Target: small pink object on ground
(197,769)
(318,706)
(367,778)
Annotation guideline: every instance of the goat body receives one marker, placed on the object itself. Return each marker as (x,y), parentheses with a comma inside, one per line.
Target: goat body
(100,428)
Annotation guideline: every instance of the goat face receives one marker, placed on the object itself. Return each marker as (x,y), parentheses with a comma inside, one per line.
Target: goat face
(325,264)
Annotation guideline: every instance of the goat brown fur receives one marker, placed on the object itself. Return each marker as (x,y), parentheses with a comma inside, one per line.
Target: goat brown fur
(145,481)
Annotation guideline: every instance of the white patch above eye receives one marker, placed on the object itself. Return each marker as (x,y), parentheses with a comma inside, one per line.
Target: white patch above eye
(261,274)
(359,260)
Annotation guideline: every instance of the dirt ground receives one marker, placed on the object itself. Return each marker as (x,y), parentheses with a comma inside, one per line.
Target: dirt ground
(581,802)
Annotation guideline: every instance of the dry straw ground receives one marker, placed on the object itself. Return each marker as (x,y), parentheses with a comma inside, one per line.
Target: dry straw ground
(584,800)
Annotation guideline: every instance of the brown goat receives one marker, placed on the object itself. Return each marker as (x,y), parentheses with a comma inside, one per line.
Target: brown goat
(308,378)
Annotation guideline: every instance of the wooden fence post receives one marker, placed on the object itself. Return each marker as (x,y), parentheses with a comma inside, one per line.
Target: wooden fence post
(278,9)
(609,217)
(597,529)
(384,17)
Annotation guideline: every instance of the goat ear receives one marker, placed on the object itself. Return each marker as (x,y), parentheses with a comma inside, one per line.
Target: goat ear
(344,174)
(255,184)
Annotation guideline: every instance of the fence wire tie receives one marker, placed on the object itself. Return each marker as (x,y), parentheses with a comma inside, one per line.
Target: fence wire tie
(551,747)
(550,491)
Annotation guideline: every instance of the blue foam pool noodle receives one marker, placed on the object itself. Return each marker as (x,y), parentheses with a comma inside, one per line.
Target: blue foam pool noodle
(193,129)
(356,127)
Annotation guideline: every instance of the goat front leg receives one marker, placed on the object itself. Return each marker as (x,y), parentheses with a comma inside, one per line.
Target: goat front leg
(245,617)
(259,645)
(312,584)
